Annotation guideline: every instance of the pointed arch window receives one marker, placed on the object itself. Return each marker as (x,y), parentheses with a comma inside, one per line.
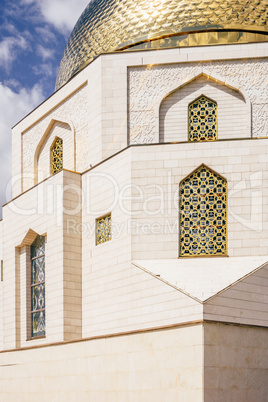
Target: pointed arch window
(203,214)
(56,156)
(38,312)
(203,119)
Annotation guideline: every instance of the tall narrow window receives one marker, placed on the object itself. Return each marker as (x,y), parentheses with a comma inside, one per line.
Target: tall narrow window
(203,119)
(103,229)
(56,156)
(38,313)
(203,214)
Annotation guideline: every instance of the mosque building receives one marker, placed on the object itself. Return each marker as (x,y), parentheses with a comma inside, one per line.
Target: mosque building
(134,251)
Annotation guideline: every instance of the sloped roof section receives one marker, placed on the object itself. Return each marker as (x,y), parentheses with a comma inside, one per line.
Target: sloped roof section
(203,278)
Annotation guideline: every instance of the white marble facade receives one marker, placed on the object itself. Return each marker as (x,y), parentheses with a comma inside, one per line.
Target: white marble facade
(127,320)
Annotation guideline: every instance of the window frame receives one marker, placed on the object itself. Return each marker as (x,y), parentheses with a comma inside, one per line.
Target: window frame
(226,216)
(40,256)
(96,228)
(189,120)
(52,169)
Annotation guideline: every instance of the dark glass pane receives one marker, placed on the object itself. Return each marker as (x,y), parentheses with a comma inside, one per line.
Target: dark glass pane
(38,323)
(38,297)
(38,291)
(38,247)
(38,270)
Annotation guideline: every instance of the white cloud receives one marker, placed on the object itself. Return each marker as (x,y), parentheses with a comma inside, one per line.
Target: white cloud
(9,27)
(45,53)
(13,106)
(44,70)
(45,34)
(62,14)
(12,83)
(9,47)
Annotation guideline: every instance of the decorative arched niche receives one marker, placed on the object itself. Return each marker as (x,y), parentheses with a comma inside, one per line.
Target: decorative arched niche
(234,111)
(56,130)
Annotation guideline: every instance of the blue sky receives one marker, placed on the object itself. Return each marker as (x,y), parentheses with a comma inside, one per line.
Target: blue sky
(33,34)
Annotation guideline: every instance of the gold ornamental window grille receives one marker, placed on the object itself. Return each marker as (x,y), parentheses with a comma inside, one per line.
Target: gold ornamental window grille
(203,119)
(56,156)
(203,214)
(103,229)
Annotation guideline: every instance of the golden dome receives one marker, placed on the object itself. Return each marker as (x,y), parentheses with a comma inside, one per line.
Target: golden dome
(117,25)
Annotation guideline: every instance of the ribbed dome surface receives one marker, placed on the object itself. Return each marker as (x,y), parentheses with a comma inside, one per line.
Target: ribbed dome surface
(110,25)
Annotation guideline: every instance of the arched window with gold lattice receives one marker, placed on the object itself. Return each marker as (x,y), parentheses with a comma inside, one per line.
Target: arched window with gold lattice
(203,119)
(203,214)
(56,156)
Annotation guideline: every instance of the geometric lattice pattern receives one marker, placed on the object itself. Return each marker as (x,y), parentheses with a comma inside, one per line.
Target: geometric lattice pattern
(203,214)
(103,229)
(38,314)
(56,156)
(203,119)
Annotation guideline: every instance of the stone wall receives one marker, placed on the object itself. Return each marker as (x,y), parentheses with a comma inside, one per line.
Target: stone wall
(235,363)
(154,366)
(48,205)
(157,171)
(202,363)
